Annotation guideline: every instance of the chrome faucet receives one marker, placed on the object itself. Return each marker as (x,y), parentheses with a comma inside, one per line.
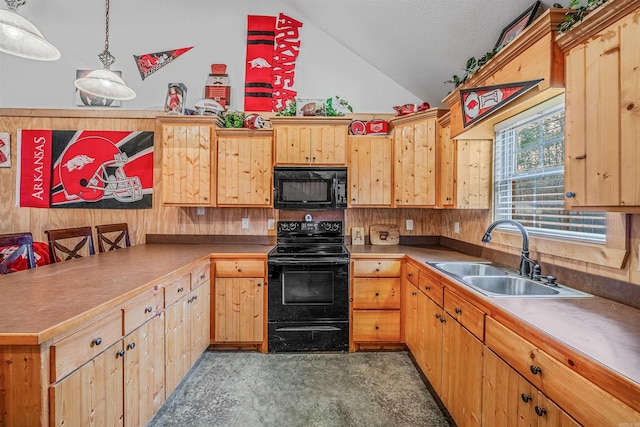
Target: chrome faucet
(528,267)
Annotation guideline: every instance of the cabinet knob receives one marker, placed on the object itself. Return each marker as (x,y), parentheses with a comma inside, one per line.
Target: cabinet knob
(259,284)
(202,276)
(570,194)
(148,309)
(427,288)
(442,319)
(313,158)
(131,346)
(414,293)
(353,200)
(377,327)
(540,411)
(535,370)
(97,341)
(377,269)
(410,274)
(120,353)
(180,290)
(306,158)
(458,310)
(526,398)
(205,198)
(377,294)
(239,270)
(195,297)
(438,315)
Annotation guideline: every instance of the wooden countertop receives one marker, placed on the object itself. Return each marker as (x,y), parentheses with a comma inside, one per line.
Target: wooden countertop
(38,304)
(604,331)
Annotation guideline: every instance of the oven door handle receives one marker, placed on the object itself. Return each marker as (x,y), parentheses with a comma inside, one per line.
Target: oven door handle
(307,328)
(308,261)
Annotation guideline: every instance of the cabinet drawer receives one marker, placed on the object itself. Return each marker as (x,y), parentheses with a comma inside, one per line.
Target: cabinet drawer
(70,353)
(240,268)
(465,313)
(200,275)
(412,273)
(175,290)
(142,308)
(580,398)
(376,325)
(431,288)
(376,293)
(380,268)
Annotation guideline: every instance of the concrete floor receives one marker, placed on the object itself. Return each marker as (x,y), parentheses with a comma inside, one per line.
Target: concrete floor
(309,389)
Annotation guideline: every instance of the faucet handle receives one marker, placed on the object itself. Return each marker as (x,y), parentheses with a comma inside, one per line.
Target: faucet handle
(550,280)
(536,273)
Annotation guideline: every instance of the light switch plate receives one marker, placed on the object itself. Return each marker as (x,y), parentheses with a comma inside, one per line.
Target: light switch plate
(271,223)
(200,210)
(456,227)
(409,225)
(245,223)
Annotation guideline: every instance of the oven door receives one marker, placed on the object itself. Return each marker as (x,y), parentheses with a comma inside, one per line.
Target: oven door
(308,290)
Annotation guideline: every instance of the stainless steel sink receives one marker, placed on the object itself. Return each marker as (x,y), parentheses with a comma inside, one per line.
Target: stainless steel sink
(515,286)
(462,269)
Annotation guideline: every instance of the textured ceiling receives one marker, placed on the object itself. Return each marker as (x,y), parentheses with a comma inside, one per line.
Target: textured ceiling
(418,43)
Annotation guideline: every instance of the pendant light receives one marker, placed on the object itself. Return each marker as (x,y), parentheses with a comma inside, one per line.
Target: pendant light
(104,82)
(20,37)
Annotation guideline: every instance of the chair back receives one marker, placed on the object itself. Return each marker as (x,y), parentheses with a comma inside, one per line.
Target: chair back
(113,236)
(14,246)
(69,243)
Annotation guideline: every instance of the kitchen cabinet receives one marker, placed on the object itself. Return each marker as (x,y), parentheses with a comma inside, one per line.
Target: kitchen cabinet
(310,141)
(410,309)
(585,402)
(187,330)
(240,301)
(375,307)
(188,159)
(464,170)
(369,167)
(602,115)
(415,142)
(245,168)
(509,399)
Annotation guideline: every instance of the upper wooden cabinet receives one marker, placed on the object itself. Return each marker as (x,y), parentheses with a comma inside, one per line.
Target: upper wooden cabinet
(532,55)
(602,120)
(188,155)
(464,170)
(305,141)
(415,141)
(245,171)
(370,171)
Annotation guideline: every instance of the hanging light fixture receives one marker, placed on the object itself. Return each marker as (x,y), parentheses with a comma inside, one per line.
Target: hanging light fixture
(104,82)
(20,37)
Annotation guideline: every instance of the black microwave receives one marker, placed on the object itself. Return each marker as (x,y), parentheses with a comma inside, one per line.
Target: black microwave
(309,188)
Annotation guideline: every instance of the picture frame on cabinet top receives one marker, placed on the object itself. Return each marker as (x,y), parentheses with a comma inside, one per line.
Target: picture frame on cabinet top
(518,25)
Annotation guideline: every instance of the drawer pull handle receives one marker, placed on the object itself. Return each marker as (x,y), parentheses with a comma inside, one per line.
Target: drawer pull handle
(535,370)
(148,309)
(427,288)
(180,290)
(526,398)
(540,411)
(120,353)
(458,310)
(97,341)
(131,346)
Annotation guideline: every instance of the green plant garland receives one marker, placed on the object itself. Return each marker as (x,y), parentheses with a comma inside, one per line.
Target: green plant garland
(572,18)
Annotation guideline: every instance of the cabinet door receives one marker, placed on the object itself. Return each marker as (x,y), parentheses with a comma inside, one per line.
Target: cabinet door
(239,309)
(414,174)
(370,171)
(93,395)
(411,318)
(292,145)
(200,320)
(245,171)
(303,145)
(144,372)
(177,343)
(473,173)
(549,414)
(462,374)
(186,165)
(429,338)
(446,167)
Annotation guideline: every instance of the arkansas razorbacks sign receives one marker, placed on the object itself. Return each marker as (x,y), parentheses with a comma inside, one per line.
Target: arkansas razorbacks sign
(480,102)
(85,169)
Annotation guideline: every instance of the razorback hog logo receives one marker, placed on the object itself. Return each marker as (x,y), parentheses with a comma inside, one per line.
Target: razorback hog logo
(78,162)
(259,63)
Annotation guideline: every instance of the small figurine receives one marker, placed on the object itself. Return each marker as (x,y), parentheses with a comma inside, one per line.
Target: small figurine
(405,109)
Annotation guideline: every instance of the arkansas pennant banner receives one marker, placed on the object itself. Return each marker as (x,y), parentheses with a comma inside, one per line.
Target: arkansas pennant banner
(480,102)
(273,46)
(85,169)
(149,63)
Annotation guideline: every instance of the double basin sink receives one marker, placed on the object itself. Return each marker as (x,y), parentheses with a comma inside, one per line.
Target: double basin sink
(497,282)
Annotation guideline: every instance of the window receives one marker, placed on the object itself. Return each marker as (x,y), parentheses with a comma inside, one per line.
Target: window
(529,177)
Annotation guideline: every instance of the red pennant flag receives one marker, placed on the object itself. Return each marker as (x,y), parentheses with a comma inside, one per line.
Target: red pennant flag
(258,88)
(149,63)
(479,102)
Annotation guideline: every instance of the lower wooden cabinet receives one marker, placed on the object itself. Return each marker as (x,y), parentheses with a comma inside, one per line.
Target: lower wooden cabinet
(376,326)
(239,309)
(510,400)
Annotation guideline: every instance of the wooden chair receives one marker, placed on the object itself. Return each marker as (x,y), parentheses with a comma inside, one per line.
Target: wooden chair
(80,237)
(24,244)
(114,235)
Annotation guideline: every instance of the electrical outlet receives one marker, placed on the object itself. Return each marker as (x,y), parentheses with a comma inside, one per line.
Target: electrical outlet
(271,223)
(200,210)
(456,227)
(409,225)
(245,223)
